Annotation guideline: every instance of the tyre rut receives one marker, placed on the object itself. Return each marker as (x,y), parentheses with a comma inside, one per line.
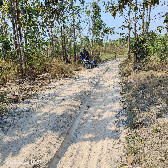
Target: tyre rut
(65,144)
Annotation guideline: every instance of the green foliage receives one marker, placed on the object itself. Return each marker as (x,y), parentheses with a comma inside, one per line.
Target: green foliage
(166,18)
(152,45)
(138,46)
(6,46)
(98,23)
(86,42)
(158,46)
(43,31)
(106,57)
(3,109)
(5,43)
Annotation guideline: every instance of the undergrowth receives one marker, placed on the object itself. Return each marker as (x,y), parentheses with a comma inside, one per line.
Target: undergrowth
(8,71)
(145,93)
(39,72)
(36,70)
(3,103)
(57,68)
(112,56)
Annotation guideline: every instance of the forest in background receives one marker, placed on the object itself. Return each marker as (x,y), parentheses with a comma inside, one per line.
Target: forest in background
(40,37)
(40,40)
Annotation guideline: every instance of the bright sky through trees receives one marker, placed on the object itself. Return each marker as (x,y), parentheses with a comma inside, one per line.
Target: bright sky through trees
(157,18)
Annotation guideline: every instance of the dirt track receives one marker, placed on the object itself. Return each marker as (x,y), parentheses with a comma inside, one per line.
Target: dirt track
(73,123)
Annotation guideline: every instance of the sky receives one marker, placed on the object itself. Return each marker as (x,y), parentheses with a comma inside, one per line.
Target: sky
(118,21)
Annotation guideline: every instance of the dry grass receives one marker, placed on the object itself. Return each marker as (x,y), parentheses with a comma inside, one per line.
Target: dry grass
(14,88)
(148,145)
(8,71)
(58,69)
(146,104)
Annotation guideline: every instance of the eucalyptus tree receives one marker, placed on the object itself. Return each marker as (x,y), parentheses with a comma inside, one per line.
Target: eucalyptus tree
(97,27)
(135,6)
(4,34)
(39,29)
(166,21)
(75,17)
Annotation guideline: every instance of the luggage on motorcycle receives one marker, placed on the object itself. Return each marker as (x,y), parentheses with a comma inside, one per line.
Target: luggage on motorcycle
(93,63)
(87,64)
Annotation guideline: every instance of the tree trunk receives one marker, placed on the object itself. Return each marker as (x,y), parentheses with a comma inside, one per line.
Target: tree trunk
(146,29)
(74,36)
(135,35)
(92,46)
(73,24)
(99,49)
(143,14)
(18,26)
(149,17)
(51,43)
(13,17)
(3,30)
(129,33)
(21,45)
(64,53)
(21,48)
(80,35)
(167,28)
(25,51)
(147,26)
(62,42)
(74,46)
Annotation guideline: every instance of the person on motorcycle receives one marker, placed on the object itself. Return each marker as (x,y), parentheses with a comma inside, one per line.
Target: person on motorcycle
(86,54)
(81,56)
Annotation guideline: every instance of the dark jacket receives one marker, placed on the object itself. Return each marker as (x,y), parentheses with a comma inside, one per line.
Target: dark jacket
(86,55)
(81,56)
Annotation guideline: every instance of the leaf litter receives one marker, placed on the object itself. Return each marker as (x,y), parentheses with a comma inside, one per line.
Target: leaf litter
(146,106)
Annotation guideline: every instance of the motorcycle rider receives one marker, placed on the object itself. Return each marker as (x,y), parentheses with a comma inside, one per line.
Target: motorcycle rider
(81,56)
(84,57)
(86,54)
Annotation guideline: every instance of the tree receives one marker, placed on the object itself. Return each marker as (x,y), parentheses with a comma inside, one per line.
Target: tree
(166,21)
(98,29)
(129,29)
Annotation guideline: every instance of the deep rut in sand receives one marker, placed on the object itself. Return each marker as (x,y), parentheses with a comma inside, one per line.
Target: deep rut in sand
(96,138)
(70,133)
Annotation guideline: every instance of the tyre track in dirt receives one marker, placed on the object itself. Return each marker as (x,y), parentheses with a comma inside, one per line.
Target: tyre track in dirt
(70,133)
(97,138)
(43,121)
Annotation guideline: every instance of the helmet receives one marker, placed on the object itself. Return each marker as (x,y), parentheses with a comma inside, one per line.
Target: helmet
(84,49)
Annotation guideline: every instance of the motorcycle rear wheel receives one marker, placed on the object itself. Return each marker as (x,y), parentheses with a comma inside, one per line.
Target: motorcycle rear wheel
(88,66)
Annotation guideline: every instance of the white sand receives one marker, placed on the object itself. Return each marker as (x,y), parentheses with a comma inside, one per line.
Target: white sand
(74,123)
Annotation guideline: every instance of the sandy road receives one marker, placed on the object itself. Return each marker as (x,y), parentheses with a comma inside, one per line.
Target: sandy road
(98,140)
(73,123)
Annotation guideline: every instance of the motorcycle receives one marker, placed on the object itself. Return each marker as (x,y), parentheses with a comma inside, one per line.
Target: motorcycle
(89,64)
